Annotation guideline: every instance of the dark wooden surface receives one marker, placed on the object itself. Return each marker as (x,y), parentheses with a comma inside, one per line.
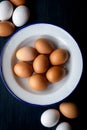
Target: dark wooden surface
(68,14)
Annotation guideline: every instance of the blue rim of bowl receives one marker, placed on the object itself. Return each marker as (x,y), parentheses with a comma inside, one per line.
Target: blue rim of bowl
(2,76)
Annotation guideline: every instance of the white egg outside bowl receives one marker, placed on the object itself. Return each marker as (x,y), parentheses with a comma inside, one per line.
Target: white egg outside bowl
(56,92)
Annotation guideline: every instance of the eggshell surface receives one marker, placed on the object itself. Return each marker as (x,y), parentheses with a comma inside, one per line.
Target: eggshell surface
(41,64)
(55,73)
(20,15)
(58,57)
(6,28)
(38,82)
(69,109)
(6,10)
(26,53)
(50,118)
(18,2)
(43,46)
(23,69)
(64,126)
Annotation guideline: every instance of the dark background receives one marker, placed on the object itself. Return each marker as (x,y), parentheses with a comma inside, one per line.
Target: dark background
(71,16)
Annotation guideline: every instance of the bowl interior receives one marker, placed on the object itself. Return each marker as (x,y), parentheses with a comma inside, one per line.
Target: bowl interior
(23,82)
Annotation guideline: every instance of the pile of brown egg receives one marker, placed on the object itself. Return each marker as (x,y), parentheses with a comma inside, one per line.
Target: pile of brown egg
(43,63)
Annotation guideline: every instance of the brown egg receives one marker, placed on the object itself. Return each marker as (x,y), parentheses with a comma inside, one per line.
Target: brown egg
(43,46)
(6,28)
(38,82)
(55,74)
(26,53)
(18,2)
(23,69)
(41,64)
(69,109)
(59,56)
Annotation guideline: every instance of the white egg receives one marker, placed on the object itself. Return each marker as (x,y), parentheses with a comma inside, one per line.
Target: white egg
(64,126)
(6,10)
(20,15)
(50,117)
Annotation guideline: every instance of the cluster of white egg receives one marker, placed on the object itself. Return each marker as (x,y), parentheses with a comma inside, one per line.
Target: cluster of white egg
(51,117)
(14,11)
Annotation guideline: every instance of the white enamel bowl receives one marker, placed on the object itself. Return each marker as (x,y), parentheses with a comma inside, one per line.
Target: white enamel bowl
(55,92)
